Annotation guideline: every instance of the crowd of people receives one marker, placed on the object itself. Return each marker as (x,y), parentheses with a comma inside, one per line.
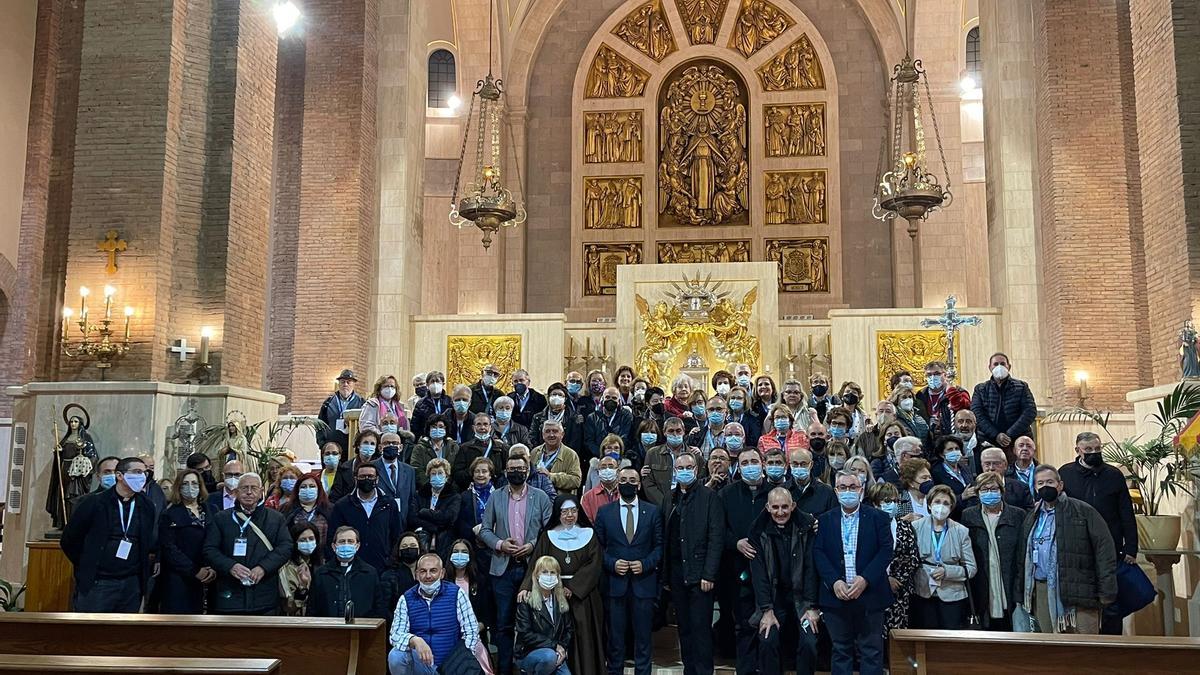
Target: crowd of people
(555,532)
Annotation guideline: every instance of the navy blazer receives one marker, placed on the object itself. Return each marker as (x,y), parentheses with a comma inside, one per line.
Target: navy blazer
(403,492)
(647,547)
(873,554)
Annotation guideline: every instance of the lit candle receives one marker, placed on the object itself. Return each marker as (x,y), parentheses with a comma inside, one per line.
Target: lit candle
(128,313)
(1082,377)
(83,294)
(205,337)
(66,322)
(109,292)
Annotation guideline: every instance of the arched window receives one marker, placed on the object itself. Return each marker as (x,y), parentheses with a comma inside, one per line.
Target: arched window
(442,79)
(974,61)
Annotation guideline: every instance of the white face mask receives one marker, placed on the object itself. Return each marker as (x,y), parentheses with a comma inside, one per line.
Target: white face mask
(557,401)
(387,392)
(231,483)
(1000,372)
(906,405)
(940,511)
(435,388)
(723,389)
(547,581)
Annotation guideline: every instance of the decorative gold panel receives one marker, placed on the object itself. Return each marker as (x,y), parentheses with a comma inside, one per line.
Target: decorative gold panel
(703,174)
(704,251)
(614,76)
(795,68)
(910,350)
(612,202)
(699,317)
(803,264)
(795,130)
(600,265)
(646,29)
(612,136)
(466,355)
(796,197)
(702,18)
(758,23)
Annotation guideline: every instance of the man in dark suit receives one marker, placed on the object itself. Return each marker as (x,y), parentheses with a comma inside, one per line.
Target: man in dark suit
(527,401)
(375,517)
(630,533)
(852,553)
(365,443)
(397,480)
(226,497)
(484,392)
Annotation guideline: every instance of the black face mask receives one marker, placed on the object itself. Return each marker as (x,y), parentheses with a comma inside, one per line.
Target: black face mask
(422,391)
(409,556)
(850,399)
(820,390)
(366,484)
(516,477)
(817,444)
(926,486)
(610,406)
(391,451)
(657,408)
(149,475)
(1093,459)
(1047,493)
(627,490)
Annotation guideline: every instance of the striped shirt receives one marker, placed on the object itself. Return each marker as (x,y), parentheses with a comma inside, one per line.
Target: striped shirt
(400,636)
(850,543)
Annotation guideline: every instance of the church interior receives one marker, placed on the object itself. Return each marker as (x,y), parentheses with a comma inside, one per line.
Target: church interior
(211,210)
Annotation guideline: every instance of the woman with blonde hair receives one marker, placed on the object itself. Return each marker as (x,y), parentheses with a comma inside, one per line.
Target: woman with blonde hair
(861,466)
(544,625)
(280,495)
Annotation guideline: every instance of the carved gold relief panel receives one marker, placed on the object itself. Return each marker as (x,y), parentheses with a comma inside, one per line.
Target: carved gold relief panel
(703,171)
(704,251)
(612,202)
(702,18)
(600,265)
(803,264)
(758,23)
(466,355)
(910,350)
(795,130)
(646,29)
(796,197)
(795,68)
(614,76)
(612,136)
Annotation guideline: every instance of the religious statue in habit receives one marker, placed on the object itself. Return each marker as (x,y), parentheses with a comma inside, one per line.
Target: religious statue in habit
(1189,344)
(236,446)
(74,463)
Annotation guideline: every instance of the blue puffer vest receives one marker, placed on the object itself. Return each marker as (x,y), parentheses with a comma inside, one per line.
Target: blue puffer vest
(435,621)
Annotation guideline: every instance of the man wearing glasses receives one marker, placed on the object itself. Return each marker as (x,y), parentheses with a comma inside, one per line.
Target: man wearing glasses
(247,545)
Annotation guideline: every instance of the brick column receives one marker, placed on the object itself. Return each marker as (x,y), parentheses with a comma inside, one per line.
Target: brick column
(1009,84)
(1089,200)
(1166,70)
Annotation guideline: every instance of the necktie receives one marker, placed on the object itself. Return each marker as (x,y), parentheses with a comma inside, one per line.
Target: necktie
(629,523)
(392,471)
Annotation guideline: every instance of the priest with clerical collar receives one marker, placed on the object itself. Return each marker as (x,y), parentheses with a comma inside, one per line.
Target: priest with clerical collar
(247,545)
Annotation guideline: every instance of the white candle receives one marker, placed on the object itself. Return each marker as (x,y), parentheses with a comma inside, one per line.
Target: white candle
(205,337)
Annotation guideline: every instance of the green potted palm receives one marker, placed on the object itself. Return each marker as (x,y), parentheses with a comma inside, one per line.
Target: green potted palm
(261,442)
(1155,465)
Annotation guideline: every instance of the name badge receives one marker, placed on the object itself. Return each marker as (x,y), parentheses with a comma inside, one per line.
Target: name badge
(849,560)
(340,424)
(123,549)
(1035,557)
(239,547)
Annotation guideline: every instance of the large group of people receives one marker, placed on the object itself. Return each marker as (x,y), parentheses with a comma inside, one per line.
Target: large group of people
(555,532)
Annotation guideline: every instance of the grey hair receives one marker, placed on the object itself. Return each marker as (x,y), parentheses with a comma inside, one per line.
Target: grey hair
(503,399)
(418,377)
(458,388)
(250,474)
(681,380)
(549,423)
(1046,467)
(520,372)
(851,474)
(906,443)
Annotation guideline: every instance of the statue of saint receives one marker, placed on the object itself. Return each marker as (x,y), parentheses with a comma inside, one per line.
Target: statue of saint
(71,473)
(1189,364)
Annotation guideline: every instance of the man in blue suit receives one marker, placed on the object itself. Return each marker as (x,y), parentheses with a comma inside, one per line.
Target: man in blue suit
(397,480)
(852,553)
(630,533)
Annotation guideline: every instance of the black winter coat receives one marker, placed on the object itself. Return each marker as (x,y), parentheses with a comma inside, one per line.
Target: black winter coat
(378,533)
(701,528)
(440,520)
(764,570)
(426,409)
(181,543)
(1006,408)
(534,405)
(1104,489)
(85,537)
(1012,557)
(598,425)
(483,398)
(332,588)
(815,499)
(1087,561)
(742,506)
(229,595)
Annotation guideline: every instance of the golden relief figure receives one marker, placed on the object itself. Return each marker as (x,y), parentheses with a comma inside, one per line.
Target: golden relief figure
(704,251)
(646,30)
(758,23)
(697,312)
(795,68)
(612,137)
(796,197)
(703,173)
(803,264)
(795,130)
(600,265)
(611,203)
(910,350)
(466,355)
(702,19)
(614,76)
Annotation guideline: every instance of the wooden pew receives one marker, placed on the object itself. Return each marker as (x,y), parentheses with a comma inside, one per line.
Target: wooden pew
(952,652)
(302,645)
(89,665)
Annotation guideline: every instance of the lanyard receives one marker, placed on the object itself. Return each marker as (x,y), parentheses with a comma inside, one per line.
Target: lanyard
(524,401)
(488,450)
(1026,477)
(391,406)
(1041,524)
(342,405)
(126,523)
(437,407)
(242,525)
(937,545)
(847,538)
(550,459)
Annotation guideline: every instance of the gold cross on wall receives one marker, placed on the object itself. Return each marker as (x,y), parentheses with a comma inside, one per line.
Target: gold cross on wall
(112,245)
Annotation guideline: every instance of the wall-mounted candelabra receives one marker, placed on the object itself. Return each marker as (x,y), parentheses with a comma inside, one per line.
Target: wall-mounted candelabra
(97,339)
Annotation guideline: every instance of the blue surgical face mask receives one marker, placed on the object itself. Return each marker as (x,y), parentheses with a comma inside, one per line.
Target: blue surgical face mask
(743,381)
(308,494)
(953,456)
(685,476)
(135,481)
(366,450)
(801,473)
(487,435)
(288,484)
(331,461)
(698,411)
(734,443)
(608,475)
(307,547)
(848,499)
(346,551)
(837,432)
(573,388)
(460,559)
(736,404)
(782,424)
(108,480)
(776,471)
(935,381)
(716,417)
(437,433)
(890,508)
(503,415)
(438,481)
(751,472)
(674,440)
(390,428)
(649,439)
(990,497)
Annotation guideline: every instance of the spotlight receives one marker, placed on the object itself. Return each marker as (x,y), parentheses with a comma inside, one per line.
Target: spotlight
(968,84)
(287,14)
(454,102)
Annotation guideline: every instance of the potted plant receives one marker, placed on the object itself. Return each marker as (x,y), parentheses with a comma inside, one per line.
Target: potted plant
(260,448)
(10,596)
(1155,466)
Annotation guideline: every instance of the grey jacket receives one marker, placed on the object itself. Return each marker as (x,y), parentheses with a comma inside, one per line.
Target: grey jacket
(957,557)
(1087,558)
(494,526)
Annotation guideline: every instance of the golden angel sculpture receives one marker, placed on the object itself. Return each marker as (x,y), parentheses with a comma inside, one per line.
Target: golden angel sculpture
(697,312)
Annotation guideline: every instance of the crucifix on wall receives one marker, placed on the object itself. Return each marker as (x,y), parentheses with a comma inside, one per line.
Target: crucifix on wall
(182,349)
(951,322)
(112,245)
